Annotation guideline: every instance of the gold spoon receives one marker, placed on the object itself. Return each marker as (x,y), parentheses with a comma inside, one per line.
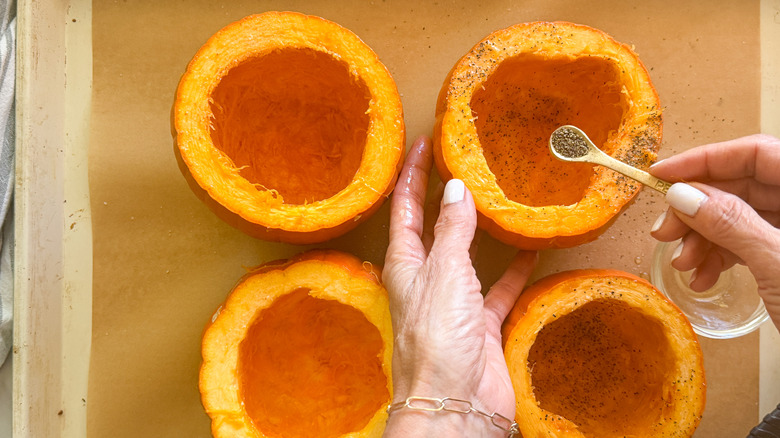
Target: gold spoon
(569,143)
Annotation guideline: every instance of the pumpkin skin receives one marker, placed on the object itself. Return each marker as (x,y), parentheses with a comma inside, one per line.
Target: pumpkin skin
(602,353)
(501,102)
(300,348)
(289,127)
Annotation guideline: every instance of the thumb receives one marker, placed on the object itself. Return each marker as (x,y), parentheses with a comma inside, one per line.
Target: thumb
(454,230)
(727,221)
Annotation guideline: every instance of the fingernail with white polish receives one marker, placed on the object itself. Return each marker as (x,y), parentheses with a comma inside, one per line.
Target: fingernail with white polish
(693,276)
(453,192)
(656,163)
(658,222)
(685,198)
(677,251)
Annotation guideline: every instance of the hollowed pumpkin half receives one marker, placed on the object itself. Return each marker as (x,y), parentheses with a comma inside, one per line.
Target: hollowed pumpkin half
(300,348)
(601,353)
(505,97)
(289,127)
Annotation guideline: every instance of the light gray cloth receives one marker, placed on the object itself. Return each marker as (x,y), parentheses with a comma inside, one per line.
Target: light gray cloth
(7,128)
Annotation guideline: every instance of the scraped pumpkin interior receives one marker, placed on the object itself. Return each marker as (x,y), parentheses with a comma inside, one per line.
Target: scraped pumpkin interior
(311,367)
(603,367)
(288,110)
(524,101)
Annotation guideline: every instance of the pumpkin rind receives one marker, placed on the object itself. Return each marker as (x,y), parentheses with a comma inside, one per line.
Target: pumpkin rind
(640,374)
(249,205)
(498,107)
(332,276)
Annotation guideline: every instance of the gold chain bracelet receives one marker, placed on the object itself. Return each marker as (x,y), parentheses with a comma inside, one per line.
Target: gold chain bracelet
(449,404)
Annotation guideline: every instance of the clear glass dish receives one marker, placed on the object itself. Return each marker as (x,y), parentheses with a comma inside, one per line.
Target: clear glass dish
(729,309)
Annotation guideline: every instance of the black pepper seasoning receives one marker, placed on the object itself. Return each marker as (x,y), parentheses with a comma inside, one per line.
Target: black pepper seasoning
(569,143)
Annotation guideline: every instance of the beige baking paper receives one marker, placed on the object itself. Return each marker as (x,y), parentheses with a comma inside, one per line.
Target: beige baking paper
(163,262)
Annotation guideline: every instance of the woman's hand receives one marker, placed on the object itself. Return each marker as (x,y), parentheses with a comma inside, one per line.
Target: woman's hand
(729,215)
(447,336)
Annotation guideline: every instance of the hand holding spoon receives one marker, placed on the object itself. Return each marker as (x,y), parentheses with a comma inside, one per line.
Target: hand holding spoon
(569,143)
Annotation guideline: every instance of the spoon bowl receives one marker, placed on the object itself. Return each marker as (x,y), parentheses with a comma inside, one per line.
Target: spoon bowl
(570,143)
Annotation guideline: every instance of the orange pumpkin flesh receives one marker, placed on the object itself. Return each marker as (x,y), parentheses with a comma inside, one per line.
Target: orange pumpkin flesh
(300,348)
(289,127)
(282,105)
(502,101)
(601,353)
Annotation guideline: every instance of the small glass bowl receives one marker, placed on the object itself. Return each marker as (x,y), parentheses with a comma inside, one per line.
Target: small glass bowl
(729,309)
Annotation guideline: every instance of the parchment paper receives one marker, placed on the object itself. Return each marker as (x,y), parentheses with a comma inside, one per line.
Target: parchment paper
(163,262)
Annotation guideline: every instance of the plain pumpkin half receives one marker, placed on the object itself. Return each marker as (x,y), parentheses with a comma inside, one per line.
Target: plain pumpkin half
(289,127)
(602,354)
(300,348)
(505,97)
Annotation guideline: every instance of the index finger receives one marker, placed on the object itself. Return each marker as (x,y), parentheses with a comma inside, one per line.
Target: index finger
(755,156)
(407,204)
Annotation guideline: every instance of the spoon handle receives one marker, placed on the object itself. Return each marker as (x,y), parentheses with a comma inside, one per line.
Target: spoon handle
(629,171)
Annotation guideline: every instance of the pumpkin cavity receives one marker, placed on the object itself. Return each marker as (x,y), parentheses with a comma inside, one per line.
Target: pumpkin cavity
(605,367)
(520,105)
(293,121)
(504,98)
(311,367)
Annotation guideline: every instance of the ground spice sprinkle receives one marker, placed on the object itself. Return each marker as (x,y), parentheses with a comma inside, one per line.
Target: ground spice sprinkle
(569,143)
